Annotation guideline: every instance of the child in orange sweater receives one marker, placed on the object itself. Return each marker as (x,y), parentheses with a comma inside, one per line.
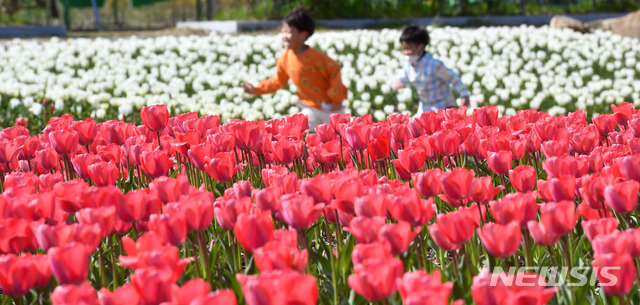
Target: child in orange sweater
(316,75)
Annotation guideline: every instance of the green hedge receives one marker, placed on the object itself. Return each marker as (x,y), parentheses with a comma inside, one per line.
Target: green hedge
(82,3)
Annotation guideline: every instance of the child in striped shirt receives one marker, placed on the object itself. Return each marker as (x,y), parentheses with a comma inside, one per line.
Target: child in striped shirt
(429,76)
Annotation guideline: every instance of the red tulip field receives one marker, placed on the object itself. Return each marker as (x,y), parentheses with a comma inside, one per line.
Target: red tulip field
(444,208)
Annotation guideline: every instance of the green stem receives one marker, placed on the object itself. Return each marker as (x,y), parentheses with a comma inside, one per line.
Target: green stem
(423,249)
(527,248)
(623,300)
(195,257)
(103,278)
(114,267)
(204,255)
(334,279)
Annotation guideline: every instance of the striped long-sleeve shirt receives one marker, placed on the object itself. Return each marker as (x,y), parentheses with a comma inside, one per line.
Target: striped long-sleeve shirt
(433,82)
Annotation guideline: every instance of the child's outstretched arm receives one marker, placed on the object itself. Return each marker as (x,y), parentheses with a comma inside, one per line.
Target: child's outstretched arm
(453,79)
(271,84)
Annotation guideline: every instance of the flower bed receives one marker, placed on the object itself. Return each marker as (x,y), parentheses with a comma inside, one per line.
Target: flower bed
(555,71)
(435,209)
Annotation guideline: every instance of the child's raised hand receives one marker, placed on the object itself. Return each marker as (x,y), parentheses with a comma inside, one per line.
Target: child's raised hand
(465,101)
(397,85)
(248,88)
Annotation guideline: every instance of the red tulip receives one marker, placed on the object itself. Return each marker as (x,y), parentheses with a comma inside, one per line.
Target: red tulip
(221,167)
(605,123)
(544,191)
(197,207)
(155,117)
(482,190)
(246,133)
(379,148)
(171,189)
(102,216)
(563,188)
(486,116)
(455,184)
(375,279)
(553,148)
(139,205)
(523,178)
(13,132)
(278,287)
(412,159)
(86,130)
(408,207)
(64,141)
(518,207)
(622,197)
(22,121)
(398,235)
(588,213)
(227,210)
(299,210)
(219,297)
(603,226)
(616,272)
(286,151)
(74,294)
(319,188)
(585,141)
(559,217)
(47,159)
(325,132)
(125,294)
(103,173)
(501,240)
(371,205)
(69,263)
(81,164)
(8,150)
(520,288)
(198,154)
(365,229)
(153,285)
(18,274)
(616,242)
(27,147)
(281,253)
(357,135)
(418,287)
(191,290)
(499,162)
(458,226)
(60,235)
(363,252)
(156,163)
(253,231)
(446,142)
(428,183)
(518,148)
(172,228)
(224,142)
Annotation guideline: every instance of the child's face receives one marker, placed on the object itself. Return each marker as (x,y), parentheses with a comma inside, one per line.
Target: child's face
(412,48)
(292,38)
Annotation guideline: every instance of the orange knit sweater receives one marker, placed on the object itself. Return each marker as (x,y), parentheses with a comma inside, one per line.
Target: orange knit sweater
(316,76)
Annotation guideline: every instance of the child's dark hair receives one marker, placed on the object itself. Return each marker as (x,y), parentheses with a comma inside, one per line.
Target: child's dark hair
(415,34)
(300,19)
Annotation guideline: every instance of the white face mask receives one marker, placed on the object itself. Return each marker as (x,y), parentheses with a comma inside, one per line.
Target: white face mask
(413,59)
